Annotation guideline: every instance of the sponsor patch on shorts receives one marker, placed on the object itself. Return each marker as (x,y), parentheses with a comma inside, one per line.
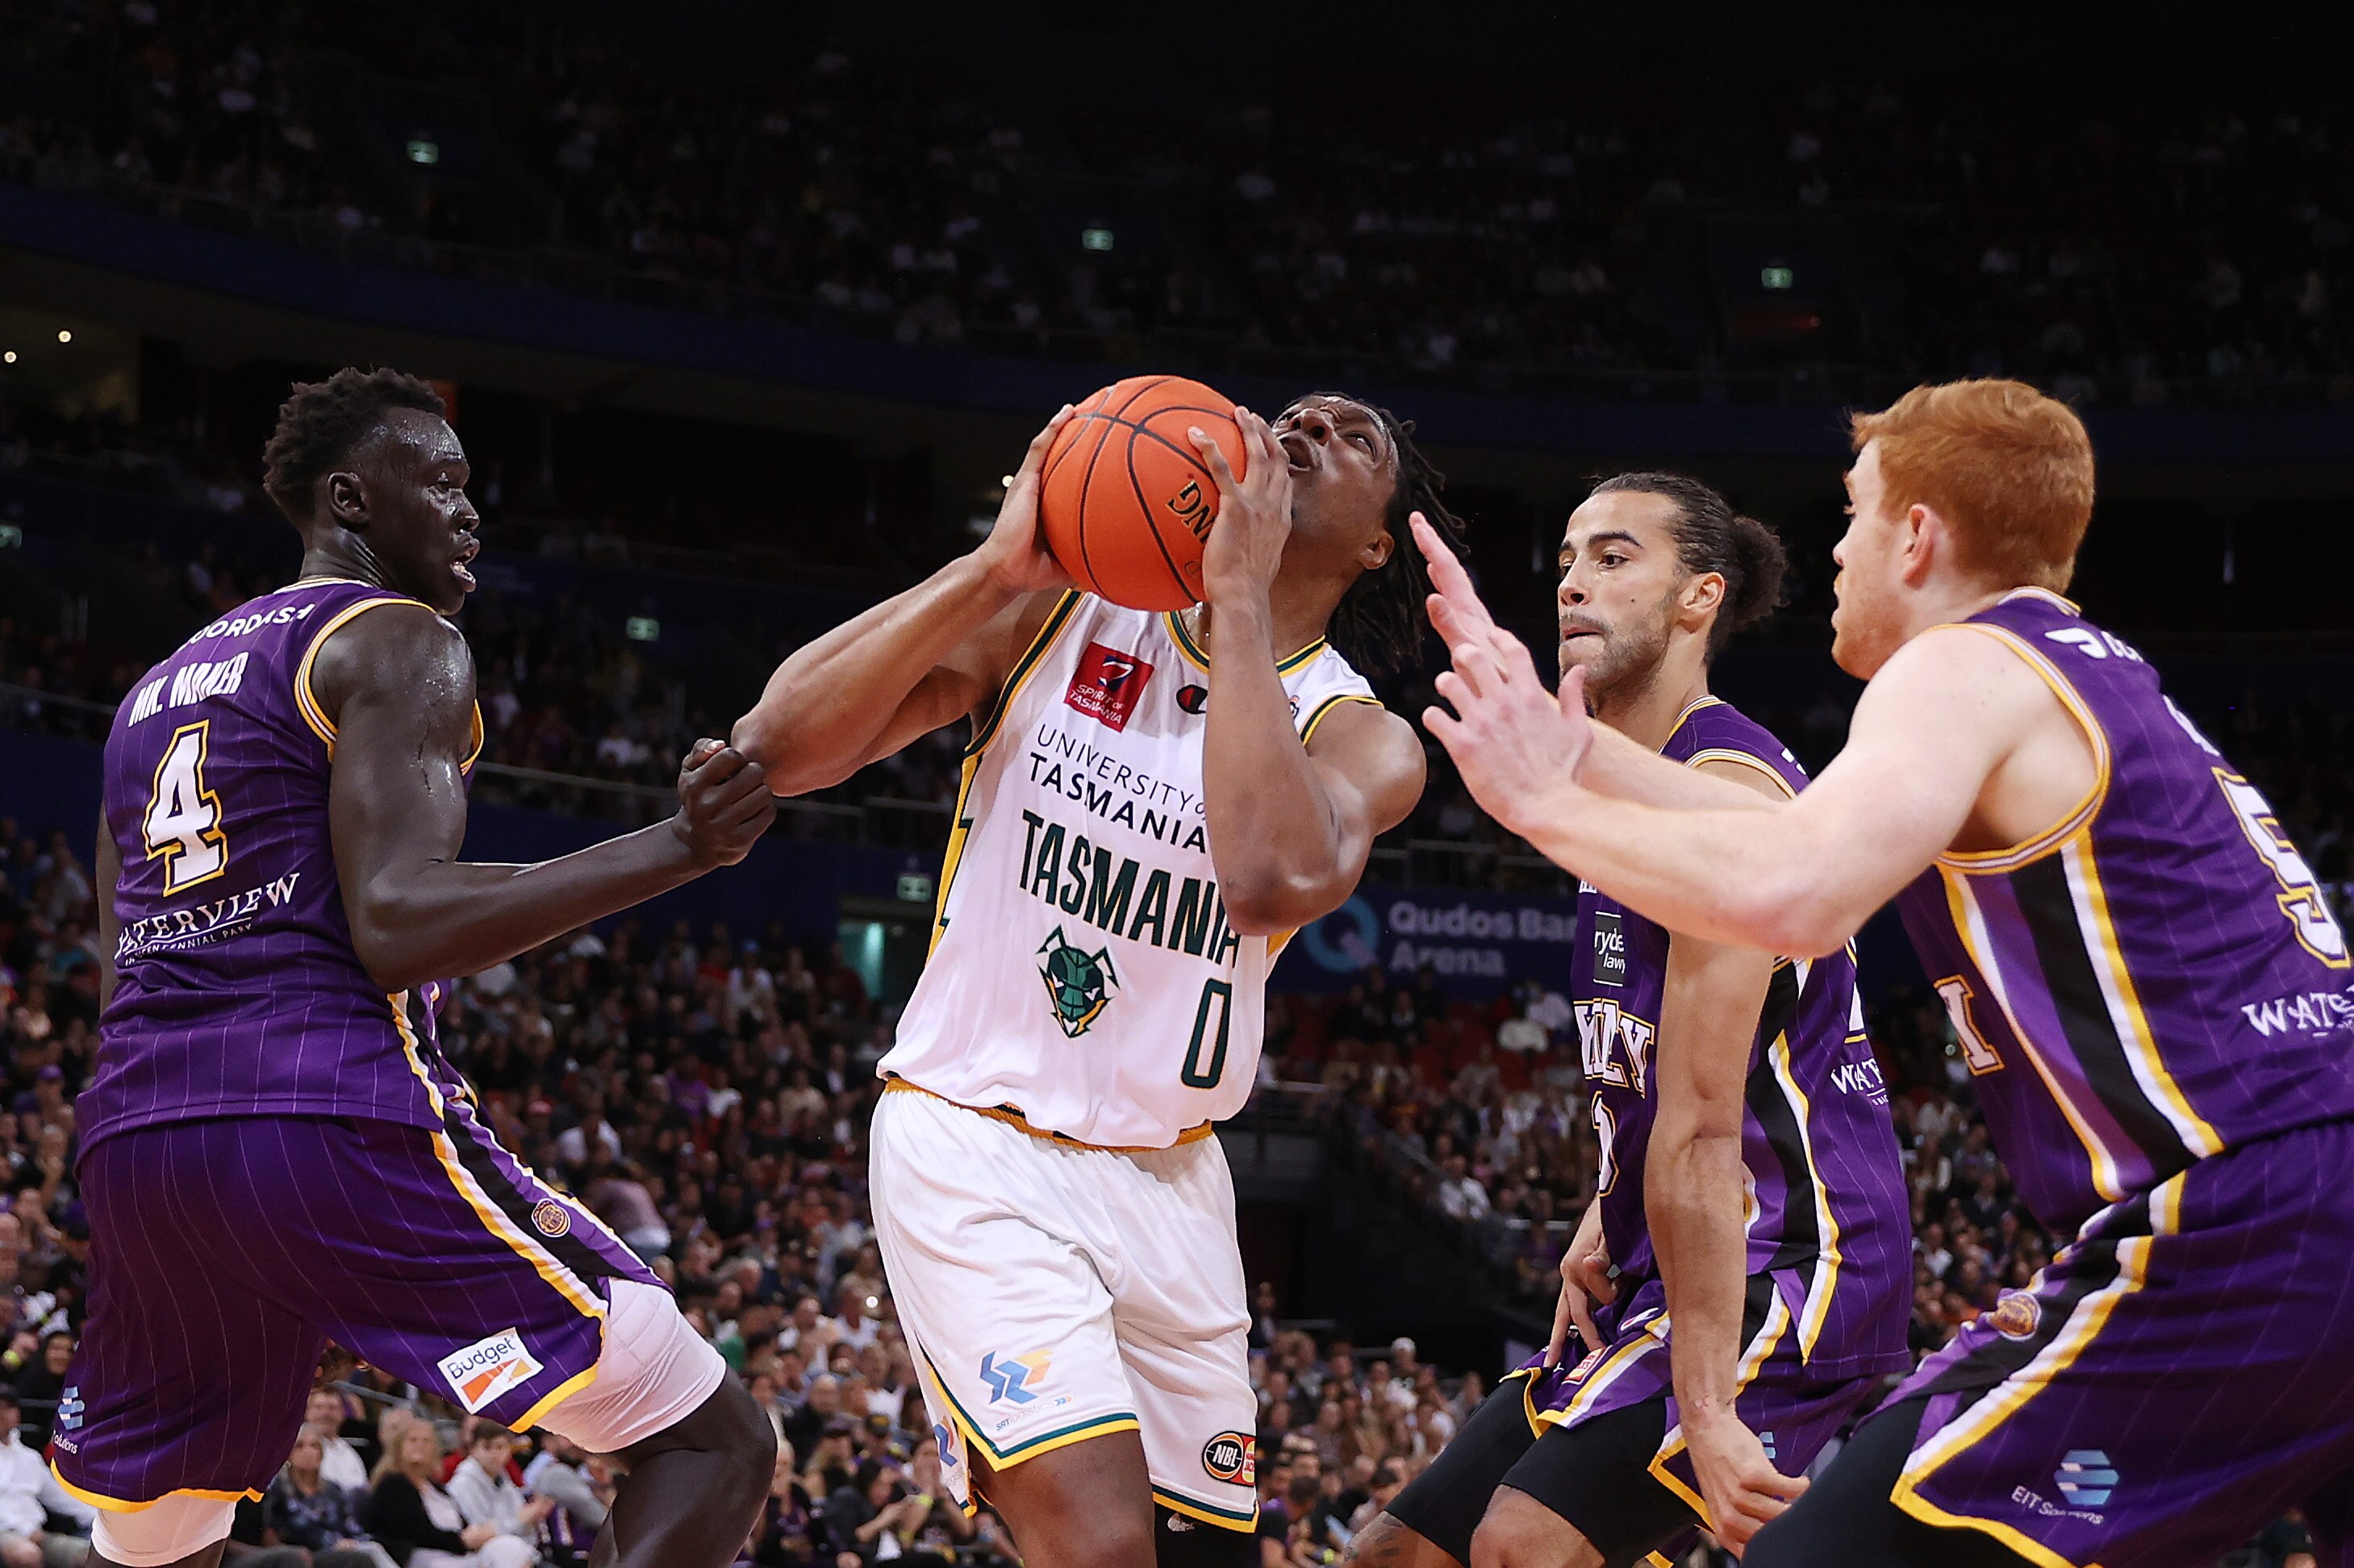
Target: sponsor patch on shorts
(489,1367)
(1232,1456)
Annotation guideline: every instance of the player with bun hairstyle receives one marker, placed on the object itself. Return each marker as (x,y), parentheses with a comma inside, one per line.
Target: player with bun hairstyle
(1151,803)
(1743,1194)
(2145,984)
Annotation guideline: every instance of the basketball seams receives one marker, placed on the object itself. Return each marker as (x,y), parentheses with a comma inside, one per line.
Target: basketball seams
(1152,521)
(1087,483)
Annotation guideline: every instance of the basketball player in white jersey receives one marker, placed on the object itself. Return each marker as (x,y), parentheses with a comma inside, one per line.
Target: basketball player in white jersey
(1151,803)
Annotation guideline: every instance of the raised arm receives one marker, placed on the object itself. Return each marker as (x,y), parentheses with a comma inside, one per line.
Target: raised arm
(918,661)
(1693,1194)
(398,686)
(1292,824)
(1935,725)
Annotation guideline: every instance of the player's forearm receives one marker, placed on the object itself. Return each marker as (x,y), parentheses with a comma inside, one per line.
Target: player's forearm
(423,920)
(1274,834)
(1755,879)
(826,705)
(1626,770)
(1693,1196)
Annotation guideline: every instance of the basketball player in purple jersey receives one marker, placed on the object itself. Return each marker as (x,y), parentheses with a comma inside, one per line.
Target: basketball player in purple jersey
(1750,1188)
(273,1151)
(2142,975)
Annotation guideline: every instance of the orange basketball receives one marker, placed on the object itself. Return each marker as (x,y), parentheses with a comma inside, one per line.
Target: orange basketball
(1126,499)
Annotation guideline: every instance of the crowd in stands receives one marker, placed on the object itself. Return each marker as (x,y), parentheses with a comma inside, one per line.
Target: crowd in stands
(2124,246)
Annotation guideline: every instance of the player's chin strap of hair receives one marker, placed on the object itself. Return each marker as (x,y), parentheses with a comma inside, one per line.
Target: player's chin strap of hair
(164,1532)
(1182,1542)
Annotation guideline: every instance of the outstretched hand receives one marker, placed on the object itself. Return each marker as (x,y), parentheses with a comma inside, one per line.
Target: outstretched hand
(1515,743)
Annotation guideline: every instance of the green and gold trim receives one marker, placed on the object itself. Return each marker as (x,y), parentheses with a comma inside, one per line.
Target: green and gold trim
(1175,621)
(1024,668)
(1029,1448)
(1324,710)
(1207,1513)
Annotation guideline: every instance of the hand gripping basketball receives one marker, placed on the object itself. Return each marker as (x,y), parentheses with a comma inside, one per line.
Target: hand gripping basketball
(1245,550)
(1015,552)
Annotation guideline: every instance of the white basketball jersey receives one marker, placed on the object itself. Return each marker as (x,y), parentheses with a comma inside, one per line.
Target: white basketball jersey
(1083,974)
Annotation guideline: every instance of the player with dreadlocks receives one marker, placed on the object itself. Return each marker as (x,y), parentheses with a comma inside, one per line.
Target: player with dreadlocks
(1150,804)
(274,1151)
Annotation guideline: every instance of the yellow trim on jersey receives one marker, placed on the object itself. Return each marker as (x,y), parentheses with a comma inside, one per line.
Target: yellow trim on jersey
(1205,1513)
(1693,706)
(1324,710)
(1013,1118)
(1201,661)
(306,699)
(959,830)
(2125,1010)
(120,1505)
(563,1391)
(412,1049)
(1612,1369)
(1024,668)
(1981,1420)
(1828,1256)
(2063,601)
(567,1284)
(1961,906)
(1979,863)
(1725,754)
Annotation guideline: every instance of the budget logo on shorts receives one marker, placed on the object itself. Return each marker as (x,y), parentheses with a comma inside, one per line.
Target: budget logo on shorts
(2017,1315)
(551,1219)
(1108,684)
(1079,984)
(489,1367)
(1232,1456)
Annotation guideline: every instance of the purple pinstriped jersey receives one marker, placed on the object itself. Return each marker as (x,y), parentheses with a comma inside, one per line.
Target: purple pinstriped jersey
(238,991)
(1827,1215)
(2155,979)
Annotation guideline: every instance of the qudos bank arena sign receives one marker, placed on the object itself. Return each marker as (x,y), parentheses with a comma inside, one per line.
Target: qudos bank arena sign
(1477,944)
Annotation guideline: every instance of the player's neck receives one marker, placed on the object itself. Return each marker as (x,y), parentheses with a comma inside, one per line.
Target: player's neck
(1296,617)
(1646,712)
(338,553)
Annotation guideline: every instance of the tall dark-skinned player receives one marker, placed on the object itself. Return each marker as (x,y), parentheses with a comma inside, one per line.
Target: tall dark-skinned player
(1151,803)
(274,1153)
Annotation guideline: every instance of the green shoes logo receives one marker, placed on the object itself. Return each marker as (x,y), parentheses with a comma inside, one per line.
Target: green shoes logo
(1079,983)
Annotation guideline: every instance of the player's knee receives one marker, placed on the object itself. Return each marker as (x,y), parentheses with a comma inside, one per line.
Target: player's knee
(1518,1531)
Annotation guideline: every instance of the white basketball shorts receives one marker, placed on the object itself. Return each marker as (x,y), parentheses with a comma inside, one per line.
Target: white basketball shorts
(1055,1292)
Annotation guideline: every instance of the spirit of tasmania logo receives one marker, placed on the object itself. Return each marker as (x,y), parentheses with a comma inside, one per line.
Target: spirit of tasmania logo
(489,1367)
(1079,984)
(1107,685)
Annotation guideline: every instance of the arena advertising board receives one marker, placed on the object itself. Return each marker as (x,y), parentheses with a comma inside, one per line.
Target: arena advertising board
(1479,943)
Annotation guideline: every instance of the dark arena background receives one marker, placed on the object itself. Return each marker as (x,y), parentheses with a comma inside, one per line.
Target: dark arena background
(743,312)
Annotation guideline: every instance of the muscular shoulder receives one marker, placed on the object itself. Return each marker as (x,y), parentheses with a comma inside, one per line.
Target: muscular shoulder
(402,651)
(1962,674)
(1375,750)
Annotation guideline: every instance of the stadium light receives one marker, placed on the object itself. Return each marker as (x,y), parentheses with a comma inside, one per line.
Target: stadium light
(64,336)
(643,628)
(423,151)
(1778,277)
(1095,238)
(10,357)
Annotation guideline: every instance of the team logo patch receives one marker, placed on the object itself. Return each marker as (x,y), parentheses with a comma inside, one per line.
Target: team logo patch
(489,1367)
(69,1410)
(1014,1379)
(1079,984)
(2085,1477)
(551,1219)
(2017,1315)
(1192,699)
(1108,684)
(1232,1456)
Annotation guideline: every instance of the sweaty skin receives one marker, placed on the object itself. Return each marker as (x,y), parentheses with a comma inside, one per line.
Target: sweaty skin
(1290,827)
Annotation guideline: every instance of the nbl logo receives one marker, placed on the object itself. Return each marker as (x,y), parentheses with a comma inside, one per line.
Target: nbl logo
(1232,1456)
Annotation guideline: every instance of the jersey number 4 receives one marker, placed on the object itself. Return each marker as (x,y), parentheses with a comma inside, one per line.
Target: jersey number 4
(182,823)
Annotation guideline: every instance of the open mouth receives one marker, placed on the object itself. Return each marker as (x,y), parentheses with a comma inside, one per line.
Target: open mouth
(1299,450)
(466,552)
